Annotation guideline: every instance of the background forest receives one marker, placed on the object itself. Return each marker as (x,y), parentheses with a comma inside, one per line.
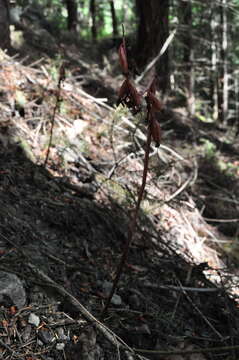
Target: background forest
(201,65)
(72,165)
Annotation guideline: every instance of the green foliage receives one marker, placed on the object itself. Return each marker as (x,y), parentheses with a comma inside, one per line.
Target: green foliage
(56,12)
(209,149)
(54,68)
(230,168)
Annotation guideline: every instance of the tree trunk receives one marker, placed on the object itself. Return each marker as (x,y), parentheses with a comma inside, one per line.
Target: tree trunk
(188,54)
(224,50)
(214,65)
(114,19)
(72,15)
(4,25)
(152,34)
(93,19)
(236,91)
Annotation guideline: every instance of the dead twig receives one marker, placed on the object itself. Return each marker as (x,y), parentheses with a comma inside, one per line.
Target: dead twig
(200,313)
(162,51)
(183,288)
(187,352)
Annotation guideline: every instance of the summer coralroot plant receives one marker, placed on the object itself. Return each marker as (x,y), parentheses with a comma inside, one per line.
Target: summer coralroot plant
(130,97)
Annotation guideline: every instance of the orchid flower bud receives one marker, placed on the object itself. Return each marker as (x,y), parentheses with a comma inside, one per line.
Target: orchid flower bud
(123,58)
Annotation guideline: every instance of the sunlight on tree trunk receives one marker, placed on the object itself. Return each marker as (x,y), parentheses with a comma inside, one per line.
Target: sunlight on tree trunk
(224,61)
(214,66)
(236,90)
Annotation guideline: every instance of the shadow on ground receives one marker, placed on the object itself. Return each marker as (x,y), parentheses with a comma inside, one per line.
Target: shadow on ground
(77,242)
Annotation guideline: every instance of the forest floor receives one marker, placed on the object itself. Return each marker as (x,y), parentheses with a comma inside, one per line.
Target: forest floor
(63,226)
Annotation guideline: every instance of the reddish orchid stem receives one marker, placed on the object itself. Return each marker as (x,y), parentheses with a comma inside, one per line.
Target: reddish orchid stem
(132,224)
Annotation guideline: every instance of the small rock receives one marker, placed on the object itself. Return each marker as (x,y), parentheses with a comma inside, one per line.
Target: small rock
(107,286)
(61,334)
(26,333)
(39,342)
(45,336)
(60,346)
(34,320)
(116,300)
(12,287)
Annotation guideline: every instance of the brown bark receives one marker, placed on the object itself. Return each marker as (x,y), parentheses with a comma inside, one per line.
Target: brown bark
(72,15)
(152,34)
(114,18)
(4,25)
(93,19)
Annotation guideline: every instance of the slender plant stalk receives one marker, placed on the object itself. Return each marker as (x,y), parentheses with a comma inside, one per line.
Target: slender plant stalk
(132,224)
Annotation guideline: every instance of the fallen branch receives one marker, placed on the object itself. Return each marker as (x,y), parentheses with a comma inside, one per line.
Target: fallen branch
(162,51)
